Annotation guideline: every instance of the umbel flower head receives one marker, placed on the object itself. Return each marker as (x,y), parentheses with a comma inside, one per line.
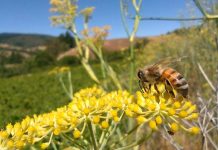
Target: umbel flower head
(65,12)
(93,107)
(160,109)
(90,105)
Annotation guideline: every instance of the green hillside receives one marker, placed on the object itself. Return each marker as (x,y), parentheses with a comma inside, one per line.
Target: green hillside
(24,40)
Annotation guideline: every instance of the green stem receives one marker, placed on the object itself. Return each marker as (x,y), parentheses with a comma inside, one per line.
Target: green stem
(140,141)
(53,145)
(66,137)
(102,137)
(92,135)
(64,87)
(105,65)
(197,3)
(125,136)
(70,84)
(111,130)
(123,18)
(84,60)
(105,139)
(131,36)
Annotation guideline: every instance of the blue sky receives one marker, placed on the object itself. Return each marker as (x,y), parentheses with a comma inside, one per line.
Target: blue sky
(32,16)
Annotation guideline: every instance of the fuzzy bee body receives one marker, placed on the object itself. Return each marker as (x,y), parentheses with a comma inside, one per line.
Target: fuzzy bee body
(159,72)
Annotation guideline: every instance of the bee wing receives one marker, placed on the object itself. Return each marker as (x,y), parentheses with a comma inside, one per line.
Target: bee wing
(163,63)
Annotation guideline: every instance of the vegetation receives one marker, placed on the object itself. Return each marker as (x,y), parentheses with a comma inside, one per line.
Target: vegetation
(24,40)
(97,118)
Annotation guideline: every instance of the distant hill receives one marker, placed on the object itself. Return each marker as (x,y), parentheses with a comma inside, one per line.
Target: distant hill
(24,40)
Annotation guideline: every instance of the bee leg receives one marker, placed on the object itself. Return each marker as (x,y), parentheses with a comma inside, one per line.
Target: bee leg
(155,87)
(169,88)
(142,88)
(149,87)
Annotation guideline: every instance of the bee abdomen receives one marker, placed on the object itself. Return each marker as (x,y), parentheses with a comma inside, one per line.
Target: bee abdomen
(177,81)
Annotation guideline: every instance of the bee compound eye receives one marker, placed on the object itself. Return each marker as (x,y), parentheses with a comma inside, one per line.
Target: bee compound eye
(140,74)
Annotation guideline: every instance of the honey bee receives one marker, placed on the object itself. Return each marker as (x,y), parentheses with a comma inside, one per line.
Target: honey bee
(160,72)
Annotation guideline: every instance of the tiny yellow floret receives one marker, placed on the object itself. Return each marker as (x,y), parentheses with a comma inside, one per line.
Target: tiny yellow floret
(194,116)
(187,105)
(194,130)
(113,113)
(171,111)
(76,134)
(162,106)
(44,145)
(183,114)
(141,119)
(153,125)
(152,106)
(57,131)
(116,119)
(20,144)
(86,111)
(104,124)
(3,134)
(174,127)
(10,144)
(158,120)
(129,113)
(96,119)
(191,109)
(177,105)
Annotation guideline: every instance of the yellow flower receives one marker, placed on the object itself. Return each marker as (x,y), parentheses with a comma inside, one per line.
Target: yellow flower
(151,106)
(57,131)
(76,134)
(10,144)
(129,113)
(158,120)
(113,113)
(159,108)
(96,119)
(153,125)
(87,12)
(141,119)
(116,119)
(177,104)
(94,104)
(19,144)
(171,111)
(3,134)
(183,114)
(194,130)
(86,111)
(44,145)
(104,124)
(174,127)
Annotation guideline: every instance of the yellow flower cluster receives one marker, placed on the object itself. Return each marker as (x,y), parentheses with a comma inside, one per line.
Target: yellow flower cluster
(100,109)
(89,105)
(160,109)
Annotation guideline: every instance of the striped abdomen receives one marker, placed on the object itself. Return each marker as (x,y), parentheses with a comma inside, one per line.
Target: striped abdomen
(176,80)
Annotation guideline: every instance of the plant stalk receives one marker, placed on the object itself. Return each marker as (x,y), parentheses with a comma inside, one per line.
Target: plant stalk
(92,135)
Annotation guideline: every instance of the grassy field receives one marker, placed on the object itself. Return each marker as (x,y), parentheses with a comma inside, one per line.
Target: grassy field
(35,93)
